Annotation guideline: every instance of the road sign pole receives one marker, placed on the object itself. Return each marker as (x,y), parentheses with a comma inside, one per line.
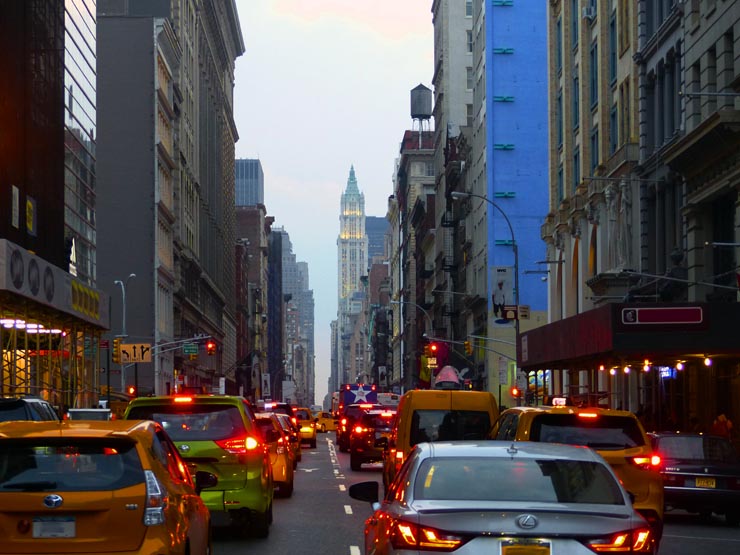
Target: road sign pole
(136,378)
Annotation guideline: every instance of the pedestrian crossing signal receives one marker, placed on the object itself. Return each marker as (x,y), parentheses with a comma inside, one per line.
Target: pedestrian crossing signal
(116,353)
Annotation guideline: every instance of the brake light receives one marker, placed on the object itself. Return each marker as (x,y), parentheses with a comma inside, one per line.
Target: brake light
(156,500)
(408,535)
(366,405)
(399,455)
(238,445)
(588,415)
(360,430)
(344,421)
(648,462)
(631,541)
(183,399)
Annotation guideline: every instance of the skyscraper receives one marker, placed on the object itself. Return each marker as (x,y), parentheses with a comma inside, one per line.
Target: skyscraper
(352,240)
(249,181)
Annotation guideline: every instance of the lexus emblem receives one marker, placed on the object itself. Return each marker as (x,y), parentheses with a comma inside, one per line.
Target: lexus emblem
(527,522)
(53,501)
(184,447)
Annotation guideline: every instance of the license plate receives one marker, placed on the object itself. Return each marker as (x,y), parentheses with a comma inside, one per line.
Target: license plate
(706,483)
(54,527)
(525,547)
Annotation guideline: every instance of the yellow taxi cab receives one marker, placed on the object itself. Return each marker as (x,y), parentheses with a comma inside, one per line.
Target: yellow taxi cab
(326,422)
(115,486)
(281,453)
(307,423)
(435,415)
(617,435)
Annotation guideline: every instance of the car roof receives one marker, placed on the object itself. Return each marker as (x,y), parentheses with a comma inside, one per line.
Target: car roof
(568,409)
(75,428)
(500,448)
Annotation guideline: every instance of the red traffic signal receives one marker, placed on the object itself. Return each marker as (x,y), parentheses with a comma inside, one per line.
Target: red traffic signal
(515,392)
(131,390)
(433,347)
(211,347)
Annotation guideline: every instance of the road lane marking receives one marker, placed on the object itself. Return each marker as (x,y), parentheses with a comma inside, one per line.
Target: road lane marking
(342,487)
(354,550)
(335,470)
(348,509)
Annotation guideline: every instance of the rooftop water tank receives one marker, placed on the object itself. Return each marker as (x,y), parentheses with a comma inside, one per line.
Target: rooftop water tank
(421,102)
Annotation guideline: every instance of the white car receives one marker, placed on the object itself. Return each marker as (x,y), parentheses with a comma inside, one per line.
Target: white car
(503,497)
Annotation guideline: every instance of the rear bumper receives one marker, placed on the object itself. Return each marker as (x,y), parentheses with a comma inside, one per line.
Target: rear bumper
(699,500)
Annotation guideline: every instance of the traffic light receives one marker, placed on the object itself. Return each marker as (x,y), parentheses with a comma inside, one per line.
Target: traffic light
(211,347)
(131,390)
(433,348)
(468,348)
(116,354)
(515,392)
(427,350)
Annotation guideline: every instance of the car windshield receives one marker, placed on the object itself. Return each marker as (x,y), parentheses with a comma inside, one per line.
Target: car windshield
(525,480)
(602,432)
(302,414)
(448,425)
(698,448)
(69,464)
(192,422)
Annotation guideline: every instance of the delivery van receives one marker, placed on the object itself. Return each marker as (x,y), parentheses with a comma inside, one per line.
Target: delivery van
(436,415)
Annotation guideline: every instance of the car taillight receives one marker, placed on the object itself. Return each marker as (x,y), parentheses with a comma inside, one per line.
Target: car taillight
(156,500)
(238,445)
(630,541)
(360,430)
(408,535)
(648,462)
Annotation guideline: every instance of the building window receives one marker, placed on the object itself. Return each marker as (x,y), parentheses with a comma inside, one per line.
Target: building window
(576,102)
(576,168)
(559,44)
(469,114)
(468,8)
(574,15)
(561,185)
(613,49)
(624,25)
(625,114)
(469,35)
(613,130)
(559,115)
(594,149)
(594,74)
(469,78)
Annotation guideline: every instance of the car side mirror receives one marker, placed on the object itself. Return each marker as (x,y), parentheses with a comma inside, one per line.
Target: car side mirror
(364,491)
(204,480)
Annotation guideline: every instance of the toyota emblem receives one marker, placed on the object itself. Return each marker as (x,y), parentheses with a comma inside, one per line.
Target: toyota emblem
(527,522)
(53,501)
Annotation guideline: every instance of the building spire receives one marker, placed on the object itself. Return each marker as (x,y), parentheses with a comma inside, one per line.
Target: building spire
(352,181)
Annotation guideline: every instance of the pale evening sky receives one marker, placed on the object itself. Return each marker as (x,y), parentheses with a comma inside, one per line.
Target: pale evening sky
(323,85)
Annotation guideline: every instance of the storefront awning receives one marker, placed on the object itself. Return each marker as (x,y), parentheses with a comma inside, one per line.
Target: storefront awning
(631,333)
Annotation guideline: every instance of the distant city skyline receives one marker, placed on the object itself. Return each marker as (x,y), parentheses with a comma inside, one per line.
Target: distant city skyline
(309,110)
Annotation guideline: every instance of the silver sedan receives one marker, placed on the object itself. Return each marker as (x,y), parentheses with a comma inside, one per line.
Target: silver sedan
(505,498)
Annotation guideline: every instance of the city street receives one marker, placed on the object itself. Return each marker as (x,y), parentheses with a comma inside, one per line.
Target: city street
(320,517)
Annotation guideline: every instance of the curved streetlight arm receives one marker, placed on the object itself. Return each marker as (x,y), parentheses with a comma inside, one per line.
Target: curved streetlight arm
(431,322)
(123,302)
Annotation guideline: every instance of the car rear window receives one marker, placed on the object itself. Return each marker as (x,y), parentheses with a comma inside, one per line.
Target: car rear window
(527,480)
(193,422)
(69,464)
(384,420)
(602,432)
(697,448)
(302,414)
(448,425)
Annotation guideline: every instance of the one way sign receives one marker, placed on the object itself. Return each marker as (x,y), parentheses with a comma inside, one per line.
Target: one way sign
(136,352)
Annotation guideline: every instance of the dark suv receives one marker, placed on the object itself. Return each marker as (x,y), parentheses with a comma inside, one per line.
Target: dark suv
(372,426)
(26,408)
(346,420)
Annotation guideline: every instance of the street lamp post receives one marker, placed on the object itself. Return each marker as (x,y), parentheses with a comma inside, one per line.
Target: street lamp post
(515,248)
(123,334)
(431,328)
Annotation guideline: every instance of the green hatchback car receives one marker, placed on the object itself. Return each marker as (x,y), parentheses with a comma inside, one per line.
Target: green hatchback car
(218,434)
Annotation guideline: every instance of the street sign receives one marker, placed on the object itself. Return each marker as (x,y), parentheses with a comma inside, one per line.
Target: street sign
(524,312)
(136,352)
(190,349)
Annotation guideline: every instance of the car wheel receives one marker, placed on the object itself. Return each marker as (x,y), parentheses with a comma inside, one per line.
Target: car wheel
(732,518)
(286,490)
(261,524)
(313,443)
(323,428)
(355,463)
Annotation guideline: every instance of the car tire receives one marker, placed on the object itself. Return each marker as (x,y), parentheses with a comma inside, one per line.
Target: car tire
(355,463)
(261,524)
(323,428)
(732,518)
(312,444)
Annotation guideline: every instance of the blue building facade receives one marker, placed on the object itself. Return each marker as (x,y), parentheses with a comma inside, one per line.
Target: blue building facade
(517,141)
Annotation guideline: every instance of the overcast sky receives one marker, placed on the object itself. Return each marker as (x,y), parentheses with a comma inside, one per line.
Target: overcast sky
(323,85)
